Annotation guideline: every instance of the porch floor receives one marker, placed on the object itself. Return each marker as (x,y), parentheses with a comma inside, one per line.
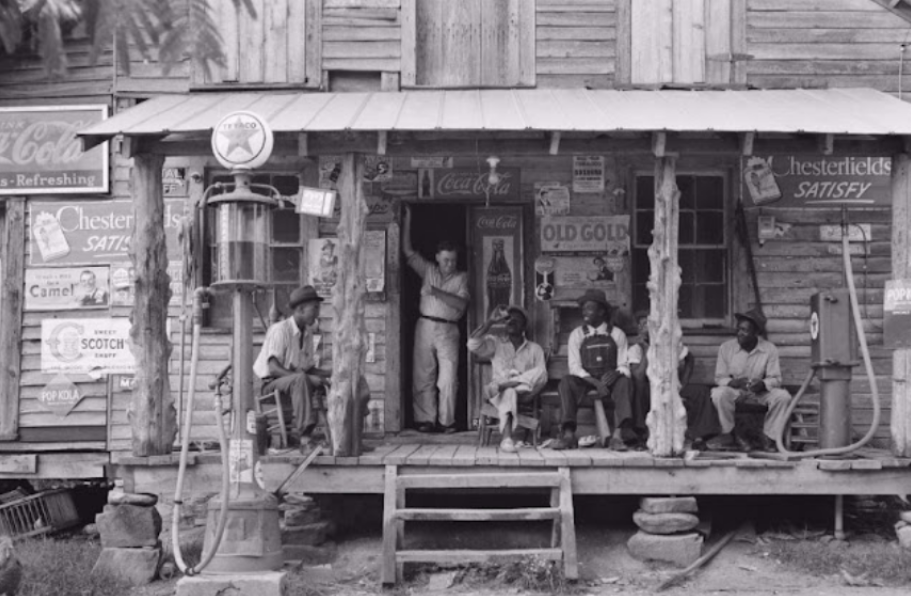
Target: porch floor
(600,471)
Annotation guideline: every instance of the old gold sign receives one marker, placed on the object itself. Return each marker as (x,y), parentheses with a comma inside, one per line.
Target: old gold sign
(582,235)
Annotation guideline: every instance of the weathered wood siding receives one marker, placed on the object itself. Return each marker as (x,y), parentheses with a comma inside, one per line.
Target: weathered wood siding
(825,43)
(361,35)
(24,79)
(576,43)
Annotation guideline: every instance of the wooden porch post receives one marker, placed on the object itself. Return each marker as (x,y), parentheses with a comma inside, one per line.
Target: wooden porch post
(349,342)
(11,316)
(667,419)
(901,269)
(152,416)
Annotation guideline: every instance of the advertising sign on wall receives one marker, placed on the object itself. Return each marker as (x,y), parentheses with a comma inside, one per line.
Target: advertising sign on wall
(323,257)
(897,314)
(60,396)
(91,232)
(123,283)
(40,153)
(468,183)
(66,288)
(606,235)
(498,233)
(817,181)
(588,173)
(87,346)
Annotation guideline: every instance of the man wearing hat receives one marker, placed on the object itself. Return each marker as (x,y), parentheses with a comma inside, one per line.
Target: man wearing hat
(748,368)
(286,364)
(597,354)
(518,368)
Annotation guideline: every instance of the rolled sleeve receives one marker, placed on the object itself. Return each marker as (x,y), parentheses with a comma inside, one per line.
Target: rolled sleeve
(419,264)
(722,366)
(622,351)
(483,347)
(772,377)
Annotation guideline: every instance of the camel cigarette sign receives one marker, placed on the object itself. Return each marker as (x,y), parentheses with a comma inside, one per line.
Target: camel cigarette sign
(87,346)
(40,153)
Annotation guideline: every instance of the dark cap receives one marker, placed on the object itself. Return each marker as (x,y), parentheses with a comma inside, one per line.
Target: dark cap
(595,296)
(304,294)
(754,316)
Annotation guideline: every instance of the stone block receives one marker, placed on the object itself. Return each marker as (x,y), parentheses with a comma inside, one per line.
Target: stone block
(301,517)
(668,505)
(310,535)
(665,523)
(904,536)
(269,583)
(676,549)
(128,526)
(134,566)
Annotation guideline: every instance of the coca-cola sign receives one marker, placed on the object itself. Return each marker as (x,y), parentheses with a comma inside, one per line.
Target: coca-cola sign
(41,154)
(498,222)
(469,183)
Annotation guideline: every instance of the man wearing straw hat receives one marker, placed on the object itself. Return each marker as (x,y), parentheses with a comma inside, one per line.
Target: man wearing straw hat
(748,370)
(597,354)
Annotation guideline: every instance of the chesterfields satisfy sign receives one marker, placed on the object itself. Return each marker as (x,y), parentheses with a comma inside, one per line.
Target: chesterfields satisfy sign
(40,153)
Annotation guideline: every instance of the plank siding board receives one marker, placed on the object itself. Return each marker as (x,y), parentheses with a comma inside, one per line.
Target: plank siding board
(795,19)
(717,41)
(652,41)
(689,41)
(575,49)
(275,18)
(499,42)
(251,40)
(362,49)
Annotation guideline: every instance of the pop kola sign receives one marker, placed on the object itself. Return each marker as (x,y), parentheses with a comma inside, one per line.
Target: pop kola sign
(60,396)
(819,181)
(40,153)
(87,346)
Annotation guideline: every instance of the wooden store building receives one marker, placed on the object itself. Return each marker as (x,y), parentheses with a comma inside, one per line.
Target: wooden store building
(564,145)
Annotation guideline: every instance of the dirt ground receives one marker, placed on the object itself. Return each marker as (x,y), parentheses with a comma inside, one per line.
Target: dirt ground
(745,567)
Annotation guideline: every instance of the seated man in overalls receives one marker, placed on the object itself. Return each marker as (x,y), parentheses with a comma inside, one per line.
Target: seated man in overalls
(597,354)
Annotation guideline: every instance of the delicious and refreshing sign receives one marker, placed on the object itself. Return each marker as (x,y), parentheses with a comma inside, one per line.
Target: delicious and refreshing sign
(606,235)
(88,346)
(817,181)
(40,153)
(91,231)
(67,288)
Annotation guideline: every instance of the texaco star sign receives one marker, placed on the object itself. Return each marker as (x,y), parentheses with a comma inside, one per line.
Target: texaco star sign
(242,140)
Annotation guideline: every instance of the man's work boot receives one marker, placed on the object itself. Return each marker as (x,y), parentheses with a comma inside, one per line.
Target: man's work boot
(567,441)
(742,444)
(722,442)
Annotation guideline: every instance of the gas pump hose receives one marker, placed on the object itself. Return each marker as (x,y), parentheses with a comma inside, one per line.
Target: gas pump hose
(185,448)
(868,366)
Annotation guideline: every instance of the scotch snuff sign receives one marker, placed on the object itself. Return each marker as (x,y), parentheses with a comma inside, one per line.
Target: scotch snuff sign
(242,140)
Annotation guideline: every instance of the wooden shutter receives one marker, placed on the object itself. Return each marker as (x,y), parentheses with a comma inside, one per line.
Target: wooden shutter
(279,47)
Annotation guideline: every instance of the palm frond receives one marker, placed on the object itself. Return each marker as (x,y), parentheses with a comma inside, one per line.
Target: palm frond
(11,21)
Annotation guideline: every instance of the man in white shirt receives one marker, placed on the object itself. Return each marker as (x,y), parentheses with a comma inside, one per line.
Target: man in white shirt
(748,369)
(518,368)
(444,298)
(597,354)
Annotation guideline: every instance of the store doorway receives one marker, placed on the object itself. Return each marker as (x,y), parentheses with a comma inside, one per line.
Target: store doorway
(432,223)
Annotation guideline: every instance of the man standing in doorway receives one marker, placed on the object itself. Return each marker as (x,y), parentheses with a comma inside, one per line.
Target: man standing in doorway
(444,298)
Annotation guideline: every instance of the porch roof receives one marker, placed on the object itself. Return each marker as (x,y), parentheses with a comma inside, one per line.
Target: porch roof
(816,111)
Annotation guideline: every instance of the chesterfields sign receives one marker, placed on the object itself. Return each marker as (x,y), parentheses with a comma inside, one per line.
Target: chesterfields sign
(40,153)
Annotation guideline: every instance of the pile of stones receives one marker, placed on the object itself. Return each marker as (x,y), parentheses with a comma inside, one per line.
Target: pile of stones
(903,529)
(667,531)
(129,528)
(305,530)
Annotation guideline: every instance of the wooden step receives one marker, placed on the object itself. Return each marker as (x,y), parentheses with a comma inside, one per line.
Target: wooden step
(519,514)
(499,480)
(476,556)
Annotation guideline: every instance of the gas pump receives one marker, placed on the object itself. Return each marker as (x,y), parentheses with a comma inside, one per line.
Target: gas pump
(833,354)
(242,529)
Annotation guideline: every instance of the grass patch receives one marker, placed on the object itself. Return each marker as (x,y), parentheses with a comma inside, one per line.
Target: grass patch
(53,567)
(877,562)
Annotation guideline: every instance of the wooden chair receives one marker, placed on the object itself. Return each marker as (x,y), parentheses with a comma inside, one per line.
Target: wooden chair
(528,420)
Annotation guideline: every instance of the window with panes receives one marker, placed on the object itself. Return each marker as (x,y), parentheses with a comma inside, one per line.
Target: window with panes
(286,246)
(704,259)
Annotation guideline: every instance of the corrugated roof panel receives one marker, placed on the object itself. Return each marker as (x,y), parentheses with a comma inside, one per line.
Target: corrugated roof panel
(541,110)
(499,110)
(822,111)
(462,110)
(299,113)
(380,113)
(421,110)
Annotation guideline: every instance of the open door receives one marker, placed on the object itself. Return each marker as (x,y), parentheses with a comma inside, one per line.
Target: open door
(495,235)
